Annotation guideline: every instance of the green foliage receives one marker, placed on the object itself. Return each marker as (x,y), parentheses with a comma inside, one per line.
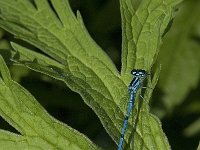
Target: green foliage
(180,56)
(1,33)
(193,129)
(37,128)
(74,58)
(198,146)
(144,23)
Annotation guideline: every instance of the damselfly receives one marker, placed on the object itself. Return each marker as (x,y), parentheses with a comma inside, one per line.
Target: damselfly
(136,83)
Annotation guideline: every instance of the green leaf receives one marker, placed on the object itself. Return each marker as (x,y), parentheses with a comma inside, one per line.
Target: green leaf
(60,39)
(1,33)
(37,128)
(95,91)
(198,146)
(36,61)
(88,70)
(180,56)
(152,124)
(143,24)
(193,129)
(73,57)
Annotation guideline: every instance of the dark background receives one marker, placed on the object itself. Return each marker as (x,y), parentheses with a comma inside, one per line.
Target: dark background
(102,19)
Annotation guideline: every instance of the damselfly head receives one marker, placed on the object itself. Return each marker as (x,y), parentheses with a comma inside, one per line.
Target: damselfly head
(138,72)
